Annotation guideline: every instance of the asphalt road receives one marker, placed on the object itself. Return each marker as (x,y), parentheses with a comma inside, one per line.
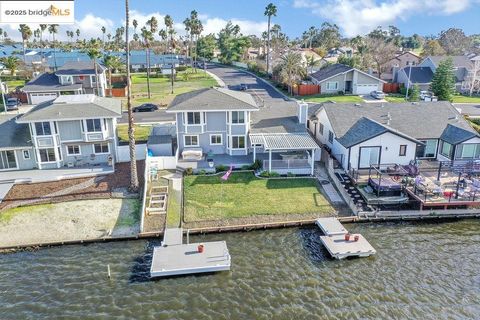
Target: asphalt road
(149,117)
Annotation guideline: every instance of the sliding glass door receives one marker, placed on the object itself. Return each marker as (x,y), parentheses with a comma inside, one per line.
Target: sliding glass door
(7,160)
(369,156)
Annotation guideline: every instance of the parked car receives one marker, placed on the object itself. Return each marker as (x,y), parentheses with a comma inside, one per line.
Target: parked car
(424,94)
(243,87)
(12,103)
(378,94)
(146,107)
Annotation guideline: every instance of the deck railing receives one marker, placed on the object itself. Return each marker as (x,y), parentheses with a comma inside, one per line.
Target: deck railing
(287,164)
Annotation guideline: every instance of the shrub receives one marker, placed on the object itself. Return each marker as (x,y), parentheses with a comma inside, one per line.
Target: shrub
(221,168)
(246,167)
(290,174)
(274,174)
(257,165)
(202,172)
(189,171)
(264,174)
(181,68)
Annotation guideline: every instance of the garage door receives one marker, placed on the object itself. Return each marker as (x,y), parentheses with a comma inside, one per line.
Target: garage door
(365,88)
(41,97)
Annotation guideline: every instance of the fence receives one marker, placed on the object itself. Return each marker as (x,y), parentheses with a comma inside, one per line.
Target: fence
(306,89)
(123,152)
(391,87)
(287,164)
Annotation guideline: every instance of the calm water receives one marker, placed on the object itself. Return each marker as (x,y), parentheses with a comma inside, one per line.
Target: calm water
(421,271)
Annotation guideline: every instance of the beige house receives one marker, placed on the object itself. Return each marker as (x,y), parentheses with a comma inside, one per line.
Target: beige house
(342,78)
(401,61)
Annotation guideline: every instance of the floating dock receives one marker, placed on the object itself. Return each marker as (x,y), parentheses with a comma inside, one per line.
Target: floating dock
(174,257)
(335,240)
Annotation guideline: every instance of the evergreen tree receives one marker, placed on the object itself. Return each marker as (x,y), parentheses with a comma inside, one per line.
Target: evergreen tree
(443,82)
(414,93)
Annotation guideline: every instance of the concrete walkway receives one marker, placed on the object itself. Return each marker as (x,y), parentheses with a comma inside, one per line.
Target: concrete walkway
(4,188)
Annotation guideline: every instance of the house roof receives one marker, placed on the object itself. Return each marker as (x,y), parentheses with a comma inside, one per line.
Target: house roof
(283,141)
(455,135)
(419,74)
(407,119)
(330,71)
(277,117)
(75,68)
(212,99)
(70,107)
(48,82)
(458,61)
(13,134)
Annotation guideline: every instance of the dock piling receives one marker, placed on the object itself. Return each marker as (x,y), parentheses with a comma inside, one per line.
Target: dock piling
(108,271)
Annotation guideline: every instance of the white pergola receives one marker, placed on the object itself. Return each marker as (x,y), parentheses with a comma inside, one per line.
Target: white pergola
(283,142)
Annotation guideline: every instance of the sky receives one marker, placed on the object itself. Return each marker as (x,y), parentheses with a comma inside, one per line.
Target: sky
(425,17)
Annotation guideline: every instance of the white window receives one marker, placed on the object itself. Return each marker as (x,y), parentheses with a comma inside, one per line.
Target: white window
(26,154)
(100,148)
(238,142)
(332,85)
(47,155)
(73,150)
(94,125)
(215,139)
(93,79)
(43,128)
(191,141)
(67,79)
(330,136)
(238,117)
(194,117)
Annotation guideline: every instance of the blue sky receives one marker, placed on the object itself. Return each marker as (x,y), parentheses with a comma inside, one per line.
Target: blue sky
(425,17)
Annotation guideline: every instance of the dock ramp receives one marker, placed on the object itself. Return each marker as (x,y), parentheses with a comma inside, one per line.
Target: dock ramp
(340,243)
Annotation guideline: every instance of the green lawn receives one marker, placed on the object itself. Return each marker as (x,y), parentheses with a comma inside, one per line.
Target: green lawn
(325,98)
(141,132)
(12,84)
(244,195)
(174,209)
(160,87)
(395,99)
(466,99)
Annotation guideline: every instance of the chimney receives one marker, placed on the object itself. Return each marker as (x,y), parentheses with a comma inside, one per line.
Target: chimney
(302,112)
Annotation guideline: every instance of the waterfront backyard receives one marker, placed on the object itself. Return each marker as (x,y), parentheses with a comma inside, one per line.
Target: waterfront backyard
(246,197)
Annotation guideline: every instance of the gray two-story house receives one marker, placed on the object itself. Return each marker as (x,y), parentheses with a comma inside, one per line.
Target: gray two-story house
(74,77)
(70,131)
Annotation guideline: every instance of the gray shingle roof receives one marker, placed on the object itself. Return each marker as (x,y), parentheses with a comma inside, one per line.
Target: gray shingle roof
(13,134)
(330,71)
(424,120)
(72,68)
(48,82)
(419,74)
(82,106)
(212,99)
(454,135)
(458,61)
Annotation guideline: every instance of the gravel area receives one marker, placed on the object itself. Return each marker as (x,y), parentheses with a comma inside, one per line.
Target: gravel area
(76,220)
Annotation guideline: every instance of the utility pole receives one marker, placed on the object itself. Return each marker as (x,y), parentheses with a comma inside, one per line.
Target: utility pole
(2,84)
(408,83)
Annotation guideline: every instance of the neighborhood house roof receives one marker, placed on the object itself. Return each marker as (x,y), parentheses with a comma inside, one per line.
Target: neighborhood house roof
(69,107)
(419,74)
(75,68)
(212,99)
(283,141)
(458,61)
(330,71)
(48,82)
(425,120)
(13,134)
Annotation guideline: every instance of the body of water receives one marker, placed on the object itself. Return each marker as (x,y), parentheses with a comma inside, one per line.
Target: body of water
(420,271)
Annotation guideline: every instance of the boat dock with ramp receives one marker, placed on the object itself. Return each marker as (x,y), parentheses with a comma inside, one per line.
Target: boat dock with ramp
(174,257)
(340,243)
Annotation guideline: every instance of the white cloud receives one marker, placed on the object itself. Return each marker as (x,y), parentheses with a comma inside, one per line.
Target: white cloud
(247,27)
(362,16)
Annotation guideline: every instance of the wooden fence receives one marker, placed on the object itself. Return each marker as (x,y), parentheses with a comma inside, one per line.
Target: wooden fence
(306,89)
(391,87)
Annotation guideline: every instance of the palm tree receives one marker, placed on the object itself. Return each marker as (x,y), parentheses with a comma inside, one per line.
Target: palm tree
(291,69)
(135,25)
(112,63)
(312,63)
(103,35)
(77,32)
(270,10)
(94,53)
(171,31)
(163,35)
(131,127)
(312,31)
(147,37)
(10,63)
(26,34)
(196,28)
(53,29)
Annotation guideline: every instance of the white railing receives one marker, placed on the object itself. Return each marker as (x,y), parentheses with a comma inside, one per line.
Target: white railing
(287,164)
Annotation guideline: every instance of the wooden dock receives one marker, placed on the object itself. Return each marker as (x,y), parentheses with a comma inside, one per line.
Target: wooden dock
(335,240)
(174,257)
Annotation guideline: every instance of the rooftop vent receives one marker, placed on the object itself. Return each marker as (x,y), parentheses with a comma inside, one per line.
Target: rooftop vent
(358,105)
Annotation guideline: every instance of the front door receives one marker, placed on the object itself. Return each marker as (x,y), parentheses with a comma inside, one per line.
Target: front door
(369,156)
(348,86)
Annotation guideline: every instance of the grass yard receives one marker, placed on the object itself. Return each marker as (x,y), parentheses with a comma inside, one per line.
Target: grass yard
(244,195)
(395,99)
(466,99)
(12,84)
(325,98)
(141,132)
(160,87)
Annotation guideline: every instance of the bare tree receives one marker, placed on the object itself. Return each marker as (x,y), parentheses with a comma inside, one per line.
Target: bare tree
(474,75)
(380,52)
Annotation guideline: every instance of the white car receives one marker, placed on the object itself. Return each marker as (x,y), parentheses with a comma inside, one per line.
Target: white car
(377,94)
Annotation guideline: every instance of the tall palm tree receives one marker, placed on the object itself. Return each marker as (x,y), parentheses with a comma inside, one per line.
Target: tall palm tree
(26,35)
(171,31)
(196,29)
(53,29)
(153,24)
(103,35)
(270,10)
(312,63)
(93,51)
(131,128)
(77,32)
(135,25)
(291,69)
(147,37)
(43,27)
(163,35)
(112,63)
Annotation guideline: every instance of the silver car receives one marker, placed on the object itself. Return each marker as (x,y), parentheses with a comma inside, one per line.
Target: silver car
(379,95)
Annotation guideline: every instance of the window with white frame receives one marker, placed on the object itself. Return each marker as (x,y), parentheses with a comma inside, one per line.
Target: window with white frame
(47,155)
(332,85)
(43,128)
(238,142)
(320,128)
(73,150)
(99,148)
(94,125)
(191,141)
(26,154)
(238,117)
(194,117)
(67,79)
(215,139)
(330,136)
